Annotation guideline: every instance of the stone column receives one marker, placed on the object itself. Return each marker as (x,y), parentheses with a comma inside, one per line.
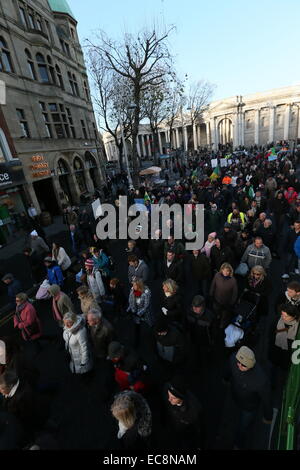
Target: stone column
(159,143)
(236,130)
(298,130)
(177,138)
(74,188)
(287,119)
(272,124)
(31,193)
(149,145)
(256,126)
(208,137)
(199,135)
(185,138)
(143,145)
(89,181)
(195,136)
(242,137)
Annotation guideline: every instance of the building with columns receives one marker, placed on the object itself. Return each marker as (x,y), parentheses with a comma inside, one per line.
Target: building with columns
(255,119)
(48,132)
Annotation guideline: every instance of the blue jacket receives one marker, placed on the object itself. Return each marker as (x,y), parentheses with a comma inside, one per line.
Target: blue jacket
(102,262)
(297,247)
(55,275)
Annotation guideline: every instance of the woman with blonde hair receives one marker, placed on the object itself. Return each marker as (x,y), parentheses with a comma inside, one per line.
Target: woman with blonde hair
(87,300)
(133,414)
(224,292)
(258,283)
(172,303)
(140,306)
(77,343)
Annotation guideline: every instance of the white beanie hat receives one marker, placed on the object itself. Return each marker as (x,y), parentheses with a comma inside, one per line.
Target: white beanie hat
(34,233)
(2,352)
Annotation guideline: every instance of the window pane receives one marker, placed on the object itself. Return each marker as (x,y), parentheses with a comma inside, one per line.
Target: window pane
(56,117)
(31,70)
(6,61)
(48,130)
(20,114)
(44,73)
(31,21)
(2,43)
(39,25)
(42,105)
(73,132)
(53,107)
(25,129)
(59,131)
(23,17)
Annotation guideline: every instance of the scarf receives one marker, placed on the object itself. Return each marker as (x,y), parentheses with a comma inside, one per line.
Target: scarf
(254,282)
(207,247)
(56,312)
(282,336)
(292,301)
(137,293)
(20,307)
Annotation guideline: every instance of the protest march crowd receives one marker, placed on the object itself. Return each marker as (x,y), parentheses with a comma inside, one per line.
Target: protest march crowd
(150,319)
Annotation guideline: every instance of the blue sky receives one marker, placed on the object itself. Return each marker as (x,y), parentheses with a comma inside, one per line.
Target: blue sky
(242,47)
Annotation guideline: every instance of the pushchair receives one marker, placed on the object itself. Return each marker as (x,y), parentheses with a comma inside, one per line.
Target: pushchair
(242,329)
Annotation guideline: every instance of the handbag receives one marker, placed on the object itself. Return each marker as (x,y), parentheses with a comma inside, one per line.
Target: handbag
(42,293)
(242,269)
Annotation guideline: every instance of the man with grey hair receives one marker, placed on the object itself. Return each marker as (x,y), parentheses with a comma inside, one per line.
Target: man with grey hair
(101,332)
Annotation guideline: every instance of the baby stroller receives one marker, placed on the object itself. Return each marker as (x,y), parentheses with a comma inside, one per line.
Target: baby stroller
(242,328)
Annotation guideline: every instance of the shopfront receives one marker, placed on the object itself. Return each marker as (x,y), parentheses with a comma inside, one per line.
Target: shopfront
(12,200)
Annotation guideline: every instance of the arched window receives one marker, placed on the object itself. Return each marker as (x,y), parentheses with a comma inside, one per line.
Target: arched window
(5,59)
(73,84)
(30,63)
(42,66)
(59,77)
(78,166)
(51,69)
(62,168)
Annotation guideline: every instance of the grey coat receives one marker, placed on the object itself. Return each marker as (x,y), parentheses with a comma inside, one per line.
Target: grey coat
(101,336)
(141,306)
(257,256)
(142,271)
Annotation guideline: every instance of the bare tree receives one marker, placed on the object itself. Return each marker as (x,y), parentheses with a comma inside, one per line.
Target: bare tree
(111,96)
(197,100)
(144,61)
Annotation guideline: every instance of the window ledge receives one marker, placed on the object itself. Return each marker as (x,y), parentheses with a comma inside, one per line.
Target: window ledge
(37,31)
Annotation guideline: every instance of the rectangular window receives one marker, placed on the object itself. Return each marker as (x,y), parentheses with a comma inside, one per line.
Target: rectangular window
(46,120)
(53,107)
(23,16)
(59,131)
(31,70)
(31,19)
(23,123)
(95,131)
(83,129)
(39,24)
(48,29)
(71,123)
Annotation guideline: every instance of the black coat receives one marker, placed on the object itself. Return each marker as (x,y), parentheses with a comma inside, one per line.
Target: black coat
(171,346)
(174,271)
(218,257)
(200,328)
(250,388)
(174,306)
(156,249)
(200,266)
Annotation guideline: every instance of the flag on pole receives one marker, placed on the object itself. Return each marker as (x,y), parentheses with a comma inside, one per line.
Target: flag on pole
(215,174)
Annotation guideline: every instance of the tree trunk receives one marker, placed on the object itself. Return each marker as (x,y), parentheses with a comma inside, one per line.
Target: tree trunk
(135,131)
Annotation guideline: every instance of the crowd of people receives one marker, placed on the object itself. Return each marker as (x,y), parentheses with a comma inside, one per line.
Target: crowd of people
(212,302)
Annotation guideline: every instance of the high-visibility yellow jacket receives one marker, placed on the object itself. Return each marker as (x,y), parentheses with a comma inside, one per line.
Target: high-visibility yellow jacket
(242,215)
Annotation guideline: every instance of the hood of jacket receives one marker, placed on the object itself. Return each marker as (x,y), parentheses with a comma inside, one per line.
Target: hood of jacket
(79,323)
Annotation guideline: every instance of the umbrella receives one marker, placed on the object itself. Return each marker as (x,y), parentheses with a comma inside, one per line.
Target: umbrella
(152,170)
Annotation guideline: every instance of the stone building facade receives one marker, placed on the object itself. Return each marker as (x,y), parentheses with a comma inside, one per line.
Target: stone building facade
(258,118)
(47,124)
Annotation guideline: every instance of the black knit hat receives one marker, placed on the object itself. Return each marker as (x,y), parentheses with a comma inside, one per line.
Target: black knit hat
(198,301)
(177,387)
(115,349)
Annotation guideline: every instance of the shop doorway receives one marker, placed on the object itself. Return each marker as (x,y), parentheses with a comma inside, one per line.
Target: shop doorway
(46,196)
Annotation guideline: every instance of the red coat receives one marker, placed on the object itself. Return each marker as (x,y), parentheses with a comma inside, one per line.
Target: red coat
(290,195)
(28,323)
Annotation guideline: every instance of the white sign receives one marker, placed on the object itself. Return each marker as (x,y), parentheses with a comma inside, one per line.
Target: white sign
(214,163)
(223,162)
(97,208)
